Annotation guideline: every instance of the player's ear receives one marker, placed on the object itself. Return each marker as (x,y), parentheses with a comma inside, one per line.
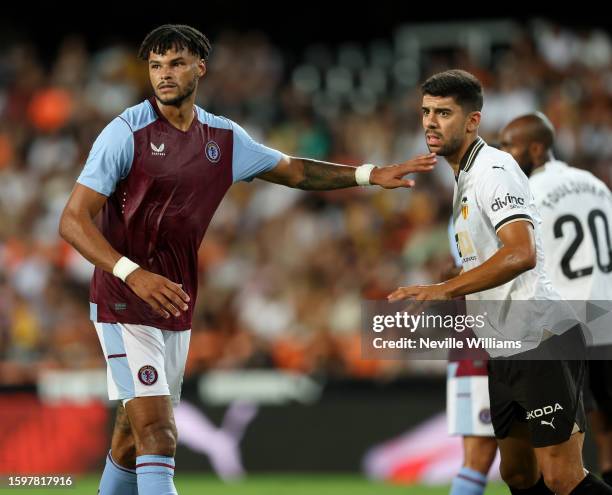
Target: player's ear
(202,67)
(473,121)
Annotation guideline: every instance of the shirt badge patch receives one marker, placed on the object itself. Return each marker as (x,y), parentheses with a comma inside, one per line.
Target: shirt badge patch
(464,208)
(213,152)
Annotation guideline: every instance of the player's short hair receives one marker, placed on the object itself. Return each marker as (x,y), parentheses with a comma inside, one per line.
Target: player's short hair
(177,36)
(464,87)
(538,128)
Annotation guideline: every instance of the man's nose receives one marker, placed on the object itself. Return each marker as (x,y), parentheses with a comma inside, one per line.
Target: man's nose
(430,122)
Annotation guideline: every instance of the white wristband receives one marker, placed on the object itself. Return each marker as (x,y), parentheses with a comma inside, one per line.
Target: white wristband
(124,267)
(362,174)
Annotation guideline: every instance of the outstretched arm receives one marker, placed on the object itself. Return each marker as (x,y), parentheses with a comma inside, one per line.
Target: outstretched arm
(313,175)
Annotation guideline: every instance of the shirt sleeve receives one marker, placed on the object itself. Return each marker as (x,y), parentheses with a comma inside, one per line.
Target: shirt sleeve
(110,158)
(504,198)
(251,158)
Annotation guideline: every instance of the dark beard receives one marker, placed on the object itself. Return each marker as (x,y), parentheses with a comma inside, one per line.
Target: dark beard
(451,147)
(525,163)
(180,98)
(527,169)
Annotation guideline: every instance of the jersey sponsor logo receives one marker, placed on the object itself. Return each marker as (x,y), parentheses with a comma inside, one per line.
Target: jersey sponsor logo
(213,152)
(464,244)
(485,416)
(549,423)
(158,150)
(544,411)
(509,201)
(147,375)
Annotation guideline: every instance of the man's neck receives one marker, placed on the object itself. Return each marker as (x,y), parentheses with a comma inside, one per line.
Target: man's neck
(539,163)
(180,117)
(547,157)
(454,160)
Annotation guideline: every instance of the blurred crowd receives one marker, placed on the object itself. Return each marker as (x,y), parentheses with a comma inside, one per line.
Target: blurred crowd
(283,273)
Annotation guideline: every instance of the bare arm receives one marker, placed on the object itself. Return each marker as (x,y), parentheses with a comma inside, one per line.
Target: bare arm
(313,175)
(517,255)
(77,227)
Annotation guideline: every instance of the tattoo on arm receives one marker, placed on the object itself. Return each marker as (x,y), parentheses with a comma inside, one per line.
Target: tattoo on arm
(320,176)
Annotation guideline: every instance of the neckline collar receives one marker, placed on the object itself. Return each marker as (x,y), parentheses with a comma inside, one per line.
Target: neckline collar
(550,163)
(153,102)
(469,157)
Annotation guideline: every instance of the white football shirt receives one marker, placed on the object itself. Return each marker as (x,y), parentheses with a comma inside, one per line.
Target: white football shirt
(491,192)
(576,210)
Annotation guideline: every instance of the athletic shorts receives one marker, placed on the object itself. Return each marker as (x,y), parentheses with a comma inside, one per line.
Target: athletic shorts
(598,387)
(467,404)
(143,361)
(545,394)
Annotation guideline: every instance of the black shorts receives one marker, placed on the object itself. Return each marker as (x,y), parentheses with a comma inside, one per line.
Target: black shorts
(598,387)
(545,394)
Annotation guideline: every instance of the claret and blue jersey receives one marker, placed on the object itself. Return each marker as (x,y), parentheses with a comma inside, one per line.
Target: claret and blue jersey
(163,187)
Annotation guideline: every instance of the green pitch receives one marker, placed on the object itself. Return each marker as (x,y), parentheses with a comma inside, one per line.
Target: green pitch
(319,484)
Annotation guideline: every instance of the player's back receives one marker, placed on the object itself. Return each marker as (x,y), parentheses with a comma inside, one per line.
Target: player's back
(576,210)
